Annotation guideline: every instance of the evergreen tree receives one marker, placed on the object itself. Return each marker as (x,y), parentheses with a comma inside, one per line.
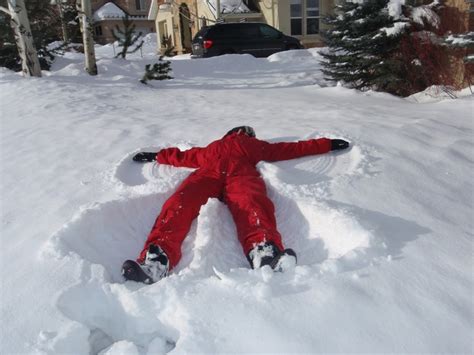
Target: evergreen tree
(127,37)
(362,40)
(464,41)
(435,49)
(69,17)
(45,28)
(160,70)
(9,56)
(20,25)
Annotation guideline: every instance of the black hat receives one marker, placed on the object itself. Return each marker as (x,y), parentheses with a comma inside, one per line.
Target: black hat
(249,131)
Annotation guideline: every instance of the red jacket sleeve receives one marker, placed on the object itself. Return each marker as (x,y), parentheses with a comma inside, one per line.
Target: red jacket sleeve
(286,151)
(173,156)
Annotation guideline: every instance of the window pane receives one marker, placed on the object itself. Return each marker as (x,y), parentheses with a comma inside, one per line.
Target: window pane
(312,26)
(269,32)
(312,13)
(295,8)
(296,26)
(248,30)
(312,3)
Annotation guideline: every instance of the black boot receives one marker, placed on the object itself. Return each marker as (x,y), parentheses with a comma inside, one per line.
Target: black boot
(268,254)
(154,268)
(284,261)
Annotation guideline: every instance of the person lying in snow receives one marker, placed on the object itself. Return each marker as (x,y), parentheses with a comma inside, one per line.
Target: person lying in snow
(225,169)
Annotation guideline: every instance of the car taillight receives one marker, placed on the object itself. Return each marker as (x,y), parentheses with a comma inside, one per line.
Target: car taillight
(207,44)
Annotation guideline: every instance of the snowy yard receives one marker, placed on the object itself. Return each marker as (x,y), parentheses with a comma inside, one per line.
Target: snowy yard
(383,231)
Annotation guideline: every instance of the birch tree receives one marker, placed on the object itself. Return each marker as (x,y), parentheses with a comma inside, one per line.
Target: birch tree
(87,37)
(23,37)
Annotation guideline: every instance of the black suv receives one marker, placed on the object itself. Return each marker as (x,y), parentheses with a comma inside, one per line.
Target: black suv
(258,39)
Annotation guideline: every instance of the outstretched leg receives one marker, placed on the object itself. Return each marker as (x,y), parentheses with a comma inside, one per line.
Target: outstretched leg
(253,212)
(175,219)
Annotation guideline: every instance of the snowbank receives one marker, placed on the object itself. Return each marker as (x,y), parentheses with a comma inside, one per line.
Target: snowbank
(383,231)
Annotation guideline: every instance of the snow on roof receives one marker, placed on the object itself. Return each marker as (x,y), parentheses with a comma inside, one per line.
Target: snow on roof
(108,11)
(228,6)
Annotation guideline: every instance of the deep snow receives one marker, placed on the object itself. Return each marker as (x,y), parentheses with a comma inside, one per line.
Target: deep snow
(383,231)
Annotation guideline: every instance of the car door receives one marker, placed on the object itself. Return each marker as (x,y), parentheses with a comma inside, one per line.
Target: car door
(271,40)
(249,39)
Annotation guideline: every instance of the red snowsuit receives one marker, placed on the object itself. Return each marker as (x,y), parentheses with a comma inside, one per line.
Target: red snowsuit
(225,170)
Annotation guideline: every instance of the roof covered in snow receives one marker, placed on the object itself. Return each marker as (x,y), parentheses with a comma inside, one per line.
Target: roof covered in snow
(108,11)
(228,6)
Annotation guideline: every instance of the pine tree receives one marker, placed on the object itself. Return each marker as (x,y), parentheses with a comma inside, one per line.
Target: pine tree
(160,70)
(25,48)
(69,19)
(435,49)
(463,44)
(127,37)
(362,40)
(464,41)
(45,28)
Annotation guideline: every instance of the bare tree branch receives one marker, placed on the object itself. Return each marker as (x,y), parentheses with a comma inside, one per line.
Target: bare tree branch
(5,10)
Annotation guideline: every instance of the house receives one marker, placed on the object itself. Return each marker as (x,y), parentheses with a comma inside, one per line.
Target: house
(108,14)
(179,20)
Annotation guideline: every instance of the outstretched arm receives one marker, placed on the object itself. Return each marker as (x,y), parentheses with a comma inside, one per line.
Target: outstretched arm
(285,150)
(171,156)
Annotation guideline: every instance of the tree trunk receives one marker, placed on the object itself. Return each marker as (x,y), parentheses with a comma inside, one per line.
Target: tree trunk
(63,23)
(24,39)
(88,40)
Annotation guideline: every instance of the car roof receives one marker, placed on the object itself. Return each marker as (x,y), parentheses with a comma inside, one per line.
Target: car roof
(237,23)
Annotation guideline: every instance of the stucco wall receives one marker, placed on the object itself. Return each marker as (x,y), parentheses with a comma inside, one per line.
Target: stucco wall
(283,21)
(269,9)
(274,12)
(144,26)
(171,18)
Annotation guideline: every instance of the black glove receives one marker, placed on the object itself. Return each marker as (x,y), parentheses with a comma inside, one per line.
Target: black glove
(337,144)
(145,157)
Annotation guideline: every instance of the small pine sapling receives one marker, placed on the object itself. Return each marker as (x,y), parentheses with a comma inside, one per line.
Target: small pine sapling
(160,70)
(127,38)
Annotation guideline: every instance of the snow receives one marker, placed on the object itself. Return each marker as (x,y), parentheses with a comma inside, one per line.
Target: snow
(383,231)
(228,6)
(461,40)
(395,8)
(422,14)
(108,11)
(396,29)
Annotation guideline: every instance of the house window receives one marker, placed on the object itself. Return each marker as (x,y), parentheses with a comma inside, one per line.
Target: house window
(312,17)
(140,5)
(296,17)
(98,30)
(304,17)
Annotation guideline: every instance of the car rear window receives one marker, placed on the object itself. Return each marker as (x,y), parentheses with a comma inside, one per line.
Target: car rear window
(202,32)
